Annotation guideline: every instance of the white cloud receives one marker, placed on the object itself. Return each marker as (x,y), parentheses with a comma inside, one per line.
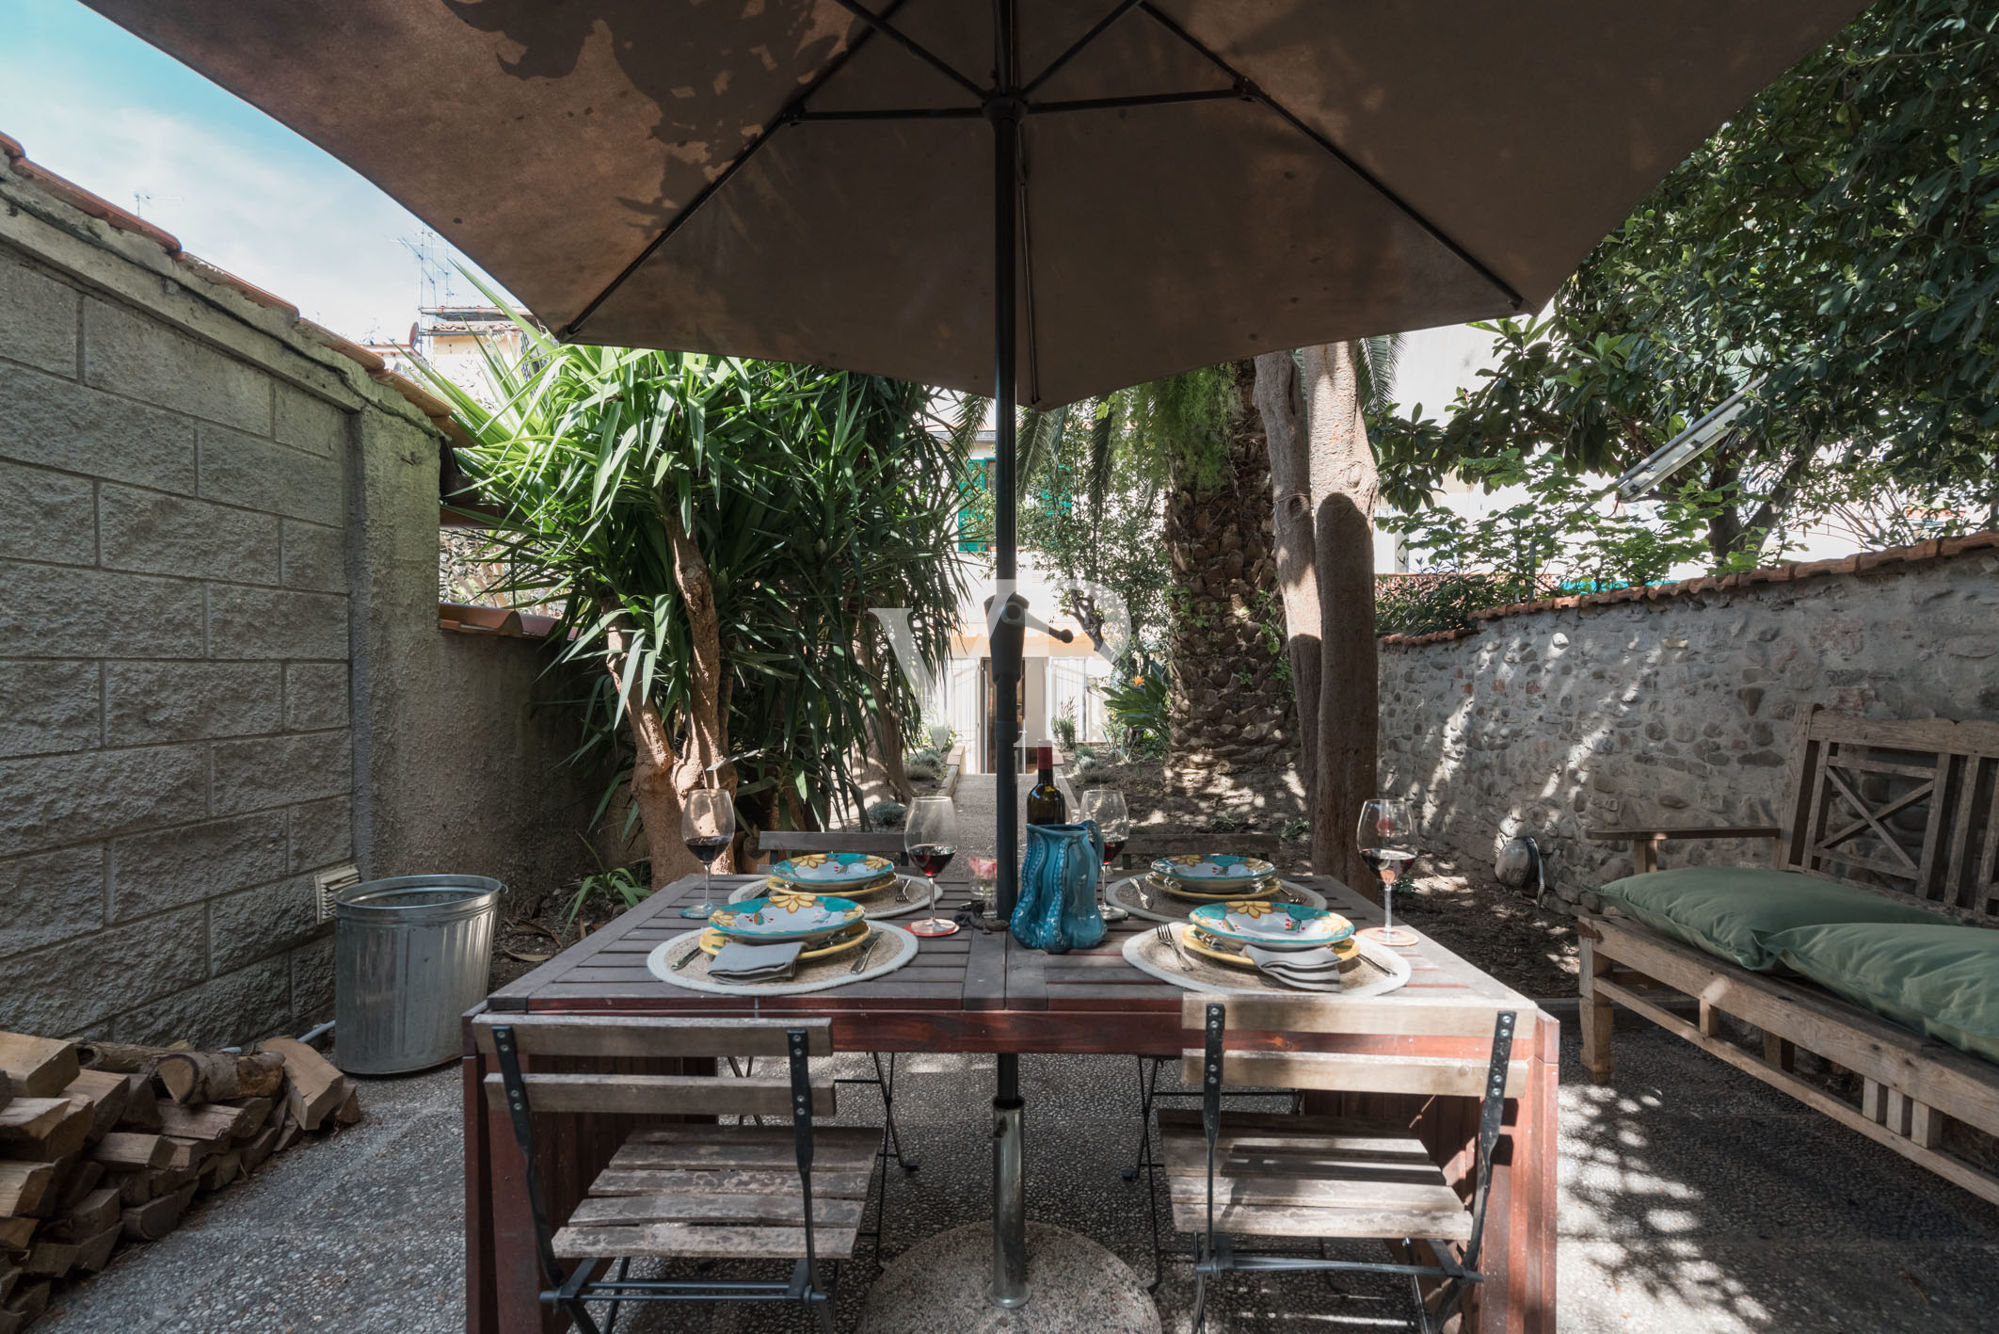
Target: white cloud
(281,215)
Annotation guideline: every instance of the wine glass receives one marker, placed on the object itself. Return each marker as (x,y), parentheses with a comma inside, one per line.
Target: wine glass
(1106,806)
(708,824)
(1387,842)
(930,836)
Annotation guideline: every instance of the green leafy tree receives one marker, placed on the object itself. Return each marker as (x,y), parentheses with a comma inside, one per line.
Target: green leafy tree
(1838,238)
(717,529)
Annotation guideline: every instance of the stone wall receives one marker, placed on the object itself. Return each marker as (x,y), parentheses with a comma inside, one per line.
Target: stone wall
(221,669)
(1674,705)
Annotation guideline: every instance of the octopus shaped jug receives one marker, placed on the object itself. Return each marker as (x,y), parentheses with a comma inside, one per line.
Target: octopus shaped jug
(1057,907)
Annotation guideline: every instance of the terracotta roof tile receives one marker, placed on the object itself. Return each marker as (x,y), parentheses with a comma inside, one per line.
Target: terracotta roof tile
(1915,554)
(74,195)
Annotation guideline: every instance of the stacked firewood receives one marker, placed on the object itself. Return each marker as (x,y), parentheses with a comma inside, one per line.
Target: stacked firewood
(103,1144)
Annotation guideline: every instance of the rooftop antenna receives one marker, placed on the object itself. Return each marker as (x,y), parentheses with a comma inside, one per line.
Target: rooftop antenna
(433,273)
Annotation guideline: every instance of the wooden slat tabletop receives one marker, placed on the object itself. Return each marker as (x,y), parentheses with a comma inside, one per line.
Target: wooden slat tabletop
(967,973)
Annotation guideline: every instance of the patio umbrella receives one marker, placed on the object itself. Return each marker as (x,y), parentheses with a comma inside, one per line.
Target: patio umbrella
(1049,195)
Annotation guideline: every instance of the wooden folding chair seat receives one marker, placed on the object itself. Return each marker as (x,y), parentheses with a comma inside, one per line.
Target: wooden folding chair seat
(724,1192)
(1321,1178)
(1308,1176)
(687,1189)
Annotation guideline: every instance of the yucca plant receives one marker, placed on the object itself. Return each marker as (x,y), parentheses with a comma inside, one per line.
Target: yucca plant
(716,530)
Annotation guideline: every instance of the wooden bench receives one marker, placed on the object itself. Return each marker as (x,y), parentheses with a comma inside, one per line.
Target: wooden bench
(1909,809)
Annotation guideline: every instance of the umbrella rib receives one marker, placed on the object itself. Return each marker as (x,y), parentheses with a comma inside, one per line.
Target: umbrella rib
(1118,11)
(880,23)
(788,112)
(1249,87)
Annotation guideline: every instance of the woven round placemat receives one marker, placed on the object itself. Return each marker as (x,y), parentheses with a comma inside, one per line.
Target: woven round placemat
(1381,970)
(896,948)
(879,906)
(1130,892)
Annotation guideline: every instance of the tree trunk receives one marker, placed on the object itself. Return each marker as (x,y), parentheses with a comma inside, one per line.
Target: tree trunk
(653,790)
(704,760)
(1226,708)
(1282,409)
(1344,487)
(879,770)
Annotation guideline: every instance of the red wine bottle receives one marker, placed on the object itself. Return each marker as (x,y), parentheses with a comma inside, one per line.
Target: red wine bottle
(1045,804)
(708,847)
(932,858)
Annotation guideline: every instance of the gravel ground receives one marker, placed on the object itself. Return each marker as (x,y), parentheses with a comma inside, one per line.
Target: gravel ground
(1693,1201)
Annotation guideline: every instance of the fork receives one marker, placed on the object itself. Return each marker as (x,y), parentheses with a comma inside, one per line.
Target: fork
(1166,933)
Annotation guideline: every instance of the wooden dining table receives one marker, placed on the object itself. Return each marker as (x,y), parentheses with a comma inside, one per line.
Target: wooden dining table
(977,991)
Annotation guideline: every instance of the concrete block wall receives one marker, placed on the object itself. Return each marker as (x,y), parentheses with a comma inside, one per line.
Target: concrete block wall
(221,667)
(1677,708)
(175,750)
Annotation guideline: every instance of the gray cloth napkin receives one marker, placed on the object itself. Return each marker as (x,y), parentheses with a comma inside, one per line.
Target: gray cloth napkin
(737,962)
(1306,970)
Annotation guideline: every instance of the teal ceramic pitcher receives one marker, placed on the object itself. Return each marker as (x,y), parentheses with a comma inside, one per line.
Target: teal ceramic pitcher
(1057,907)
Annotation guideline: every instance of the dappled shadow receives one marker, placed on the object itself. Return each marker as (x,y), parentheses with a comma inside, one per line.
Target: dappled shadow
(1694,1197)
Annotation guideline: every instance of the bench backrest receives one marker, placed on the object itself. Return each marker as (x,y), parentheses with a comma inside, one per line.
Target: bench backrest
(1908,807)
(777,844)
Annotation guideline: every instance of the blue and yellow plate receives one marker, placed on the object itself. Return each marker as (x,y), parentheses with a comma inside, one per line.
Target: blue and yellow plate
(833,870)
(1273,926)
(1213,871)
(785,916)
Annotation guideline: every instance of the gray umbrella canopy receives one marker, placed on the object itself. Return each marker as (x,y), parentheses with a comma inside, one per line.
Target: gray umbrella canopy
(1201,179)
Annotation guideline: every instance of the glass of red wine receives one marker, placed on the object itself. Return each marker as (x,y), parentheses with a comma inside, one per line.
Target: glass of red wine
(1106,806)
(1387,841)
(708,824)
(930,836)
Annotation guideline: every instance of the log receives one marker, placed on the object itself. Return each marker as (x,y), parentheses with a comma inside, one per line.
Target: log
(107,1093)
(9,1276)
(259,1147)
(349,1112)
(219,1122)
(16,1233)
(314,1087)
(79,1178)
(142,1107)
(52,1259)
(37,1067)
(223,1169)
(22,1186)
(253,1115)
(133,1150)
(6,1088)
(120,1057)
(95,1212)
(215,1076)
(190,1154)
(44,1128)
(134,1188)
(29,1301)
(153,1219)
(93,1253)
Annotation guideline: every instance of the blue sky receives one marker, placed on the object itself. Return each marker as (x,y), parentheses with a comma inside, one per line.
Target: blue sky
(93,103)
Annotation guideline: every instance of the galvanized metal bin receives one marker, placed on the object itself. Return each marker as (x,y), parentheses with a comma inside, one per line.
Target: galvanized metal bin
(410,955)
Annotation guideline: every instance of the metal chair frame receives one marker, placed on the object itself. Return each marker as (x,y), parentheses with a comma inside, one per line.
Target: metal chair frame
(569,1292)
(1214,1255)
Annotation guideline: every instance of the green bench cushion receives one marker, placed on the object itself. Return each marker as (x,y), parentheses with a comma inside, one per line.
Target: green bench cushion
(1732,911)
(1942,981)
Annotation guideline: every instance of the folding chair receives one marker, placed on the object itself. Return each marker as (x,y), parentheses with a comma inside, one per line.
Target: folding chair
(689,1190)
(1328,1178)
(776,843)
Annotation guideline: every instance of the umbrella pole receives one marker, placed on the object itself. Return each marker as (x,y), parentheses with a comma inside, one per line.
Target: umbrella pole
(1004,110)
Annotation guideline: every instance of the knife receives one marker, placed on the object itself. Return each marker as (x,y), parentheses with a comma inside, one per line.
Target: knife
(866,954)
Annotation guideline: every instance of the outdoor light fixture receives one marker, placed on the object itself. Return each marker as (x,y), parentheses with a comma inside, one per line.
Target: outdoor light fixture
(1688,445)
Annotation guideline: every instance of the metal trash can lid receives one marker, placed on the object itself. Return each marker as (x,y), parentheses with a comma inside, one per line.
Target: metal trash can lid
(417,898)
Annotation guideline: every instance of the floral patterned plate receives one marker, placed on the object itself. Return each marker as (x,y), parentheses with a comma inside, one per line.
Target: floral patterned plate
(712,942)
(1213,870)
(854,891)
(832,870)
(1347,951)
(785,916)
(1273,926)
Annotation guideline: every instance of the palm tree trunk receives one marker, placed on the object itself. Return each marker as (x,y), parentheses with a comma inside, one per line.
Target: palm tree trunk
(1226,708)
(653,789)
(704,761)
